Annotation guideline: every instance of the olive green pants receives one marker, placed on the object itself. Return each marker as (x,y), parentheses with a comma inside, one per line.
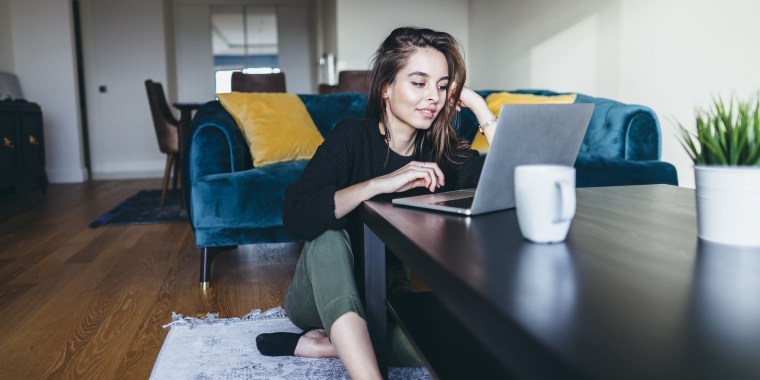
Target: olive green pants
(324,288)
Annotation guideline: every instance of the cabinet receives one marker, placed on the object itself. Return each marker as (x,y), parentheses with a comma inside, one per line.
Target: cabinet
(22,147)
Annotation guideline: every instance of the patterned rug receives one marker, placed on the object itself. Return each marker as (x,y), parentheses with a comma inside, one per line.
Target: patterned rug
(214,348)
(145,208)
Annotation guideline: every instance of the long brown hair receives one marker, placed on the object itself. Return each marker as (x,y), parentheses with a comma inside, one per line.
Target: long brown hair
(440,141)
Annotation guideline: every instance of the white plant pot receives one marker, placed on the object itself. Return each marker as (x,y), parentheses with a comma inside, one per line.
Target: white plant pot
(728,204)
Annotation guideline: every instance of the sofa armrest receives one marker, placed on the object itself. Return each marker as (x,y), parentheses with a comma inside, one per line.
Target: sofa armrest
(593,171)
(625,131)
(215,144)
(643,139)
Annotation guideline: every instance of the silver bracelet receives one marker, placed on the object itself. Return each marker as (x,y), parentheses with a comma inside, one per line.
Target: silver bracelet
(487,124)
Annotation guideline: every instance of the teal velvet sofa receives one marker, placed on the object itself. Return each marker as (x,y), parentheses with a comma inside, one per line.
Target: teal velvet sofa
(231,203)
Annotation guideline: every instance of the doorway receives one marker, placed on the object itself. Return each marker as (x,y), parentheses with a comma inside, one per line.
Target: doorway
(243,38)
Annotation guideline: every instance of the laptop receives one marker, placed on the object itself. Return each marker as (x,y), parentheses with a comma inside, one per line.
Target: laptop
(525,134)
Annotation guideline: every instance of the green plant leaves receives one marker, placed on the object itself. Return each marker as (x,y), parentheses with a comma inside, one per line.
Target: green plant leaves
(726,134)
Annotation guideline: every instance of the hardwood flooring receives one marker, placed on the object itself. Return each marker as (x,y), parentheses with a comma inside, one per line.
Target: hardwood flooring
(79,303)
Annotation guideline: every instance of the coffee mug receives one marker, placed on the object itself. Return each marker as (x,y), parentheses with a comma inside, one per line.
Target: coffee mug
(545,199)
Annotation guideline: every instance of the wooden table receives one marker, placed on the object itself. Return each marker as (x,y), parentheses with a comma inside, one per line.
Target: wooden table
(631,294)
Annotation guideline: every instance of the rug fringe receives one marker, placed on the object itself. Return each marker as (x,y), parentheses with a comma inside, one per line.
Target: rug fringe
(273,313)
(212,318)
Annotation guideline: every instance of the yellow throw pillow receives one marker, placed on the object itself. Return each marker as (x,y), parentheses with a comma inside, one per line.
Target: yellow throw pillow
(498,99)
(276,126)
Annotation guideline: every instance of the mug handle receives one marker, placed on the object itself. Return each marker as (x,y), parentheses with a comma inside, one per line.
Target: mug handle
(567,204)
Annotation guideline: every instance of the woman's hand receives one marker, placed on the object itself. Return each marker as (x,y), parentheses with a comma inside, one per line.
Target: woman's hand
(471,100)
(411,175)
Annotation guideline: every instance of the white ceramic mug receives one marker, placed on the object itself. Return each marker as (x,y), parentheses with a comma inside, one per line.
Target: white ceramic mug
(545,199)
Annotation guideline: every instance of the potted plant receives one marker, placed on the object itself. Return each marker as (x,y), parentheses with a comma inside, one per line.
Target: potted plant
(725,148)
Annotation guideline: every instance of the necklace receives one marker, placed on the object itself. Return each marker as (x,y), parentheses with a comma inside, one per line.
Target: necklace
(387,137)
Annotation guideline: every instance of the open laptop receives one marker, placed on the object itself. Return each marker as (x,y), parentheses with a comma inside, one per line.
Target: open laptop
(525,134)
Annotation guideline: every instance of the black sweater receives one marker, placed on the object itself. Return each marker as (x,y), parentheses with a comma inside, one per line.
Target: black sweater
(355,151)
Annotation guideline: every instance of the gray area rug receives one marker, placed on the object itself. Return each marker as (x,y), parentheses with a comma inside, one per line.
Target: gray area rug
(214,348)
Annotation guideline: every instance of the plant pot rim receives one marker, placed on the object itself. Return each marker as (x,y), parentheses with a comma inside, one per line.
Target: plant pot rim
(726,167)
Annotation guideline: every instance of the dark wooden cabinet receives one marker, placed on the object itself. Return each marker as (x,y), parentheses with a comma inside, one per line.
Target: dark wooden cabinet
(22,147)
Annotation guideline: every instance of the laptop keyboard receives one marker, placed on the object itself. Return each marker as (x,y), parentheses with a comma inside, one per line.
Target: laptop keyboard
(459,203)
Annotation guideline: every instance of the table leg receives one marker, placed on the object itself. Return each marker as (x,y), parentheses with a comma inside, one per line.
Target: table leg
(375,296)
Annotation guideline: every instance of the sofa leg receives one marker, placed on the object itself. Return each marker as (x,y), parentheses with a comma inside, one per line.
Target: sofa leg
(207,257)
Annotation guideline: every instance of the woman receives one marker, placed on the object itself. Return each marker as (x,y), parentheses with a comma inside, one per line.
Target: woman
(407,142)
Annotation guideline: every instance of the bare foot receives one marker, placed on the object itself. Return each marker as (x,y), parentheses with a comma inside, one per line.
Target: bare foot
(316,333)
(315,344)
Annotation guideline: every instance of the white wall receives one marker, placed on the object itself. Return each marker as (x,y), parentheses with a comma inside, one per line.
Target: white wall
(667,55)
(45,62)
(363,24)
(6,42)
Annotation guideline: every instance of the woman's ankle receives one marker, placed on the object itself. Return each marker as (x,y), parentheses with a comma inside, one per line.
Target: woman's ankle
(315,347)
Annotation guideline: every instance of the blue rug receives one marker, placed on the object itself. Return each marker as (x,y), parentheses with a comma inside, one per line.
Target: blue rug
(144,208)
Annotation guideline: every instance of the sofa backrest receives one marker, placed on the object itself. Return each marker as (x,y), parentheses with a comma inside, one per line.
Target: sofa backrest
(616,130)
(328,109)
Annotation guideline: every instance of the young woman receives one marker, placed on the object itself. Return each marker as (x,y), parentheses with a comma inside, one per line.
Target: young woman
(407,144)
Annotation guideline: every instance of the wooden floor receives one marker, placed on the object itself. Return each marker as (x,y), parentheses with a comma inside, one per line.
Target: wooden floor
(77,302)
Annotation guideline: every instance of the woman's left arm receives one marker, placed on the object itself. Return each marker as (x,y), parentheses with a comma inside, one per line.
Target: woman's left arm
(478,106)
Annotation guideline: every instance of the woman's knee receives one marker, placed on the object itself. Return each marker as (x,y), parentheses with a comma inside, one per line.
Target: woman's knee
(331,245)
(337,238)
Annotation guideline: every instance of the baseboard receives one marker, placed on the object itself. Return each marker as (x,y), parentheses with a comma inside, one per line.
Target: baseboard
(129,170)
(66,175)
(126,174)
(79,176)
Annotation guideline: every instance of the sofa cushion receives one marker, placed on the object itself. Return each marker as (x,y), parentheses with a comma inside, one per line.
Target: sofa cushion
(246,199)
(497,99)
(276,126)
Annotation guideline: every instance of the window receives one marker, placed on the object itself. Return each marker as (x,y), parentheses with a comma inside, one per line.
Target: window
(243,38)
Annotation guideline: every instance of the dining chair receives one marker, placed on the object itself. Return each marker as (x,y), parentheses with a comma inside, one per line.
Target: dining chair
(357,81)
(167,133)
(241,82)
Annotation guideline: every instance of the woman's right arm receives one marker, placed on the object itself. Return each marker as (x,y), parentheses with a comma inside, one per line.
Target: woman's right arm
(323,195)
(413,174)
(479,107)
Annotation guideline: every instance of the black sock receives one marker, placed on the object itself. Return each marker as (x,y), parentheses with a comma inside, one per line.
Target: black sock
(279,343)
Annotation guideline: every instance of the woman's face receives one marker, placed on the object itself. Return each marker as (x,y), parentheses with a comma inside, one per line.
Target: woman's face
(419,91)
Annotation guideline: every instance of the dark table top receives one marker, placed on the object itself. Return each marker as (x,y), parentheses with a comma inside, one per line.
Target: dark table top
(632,292)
